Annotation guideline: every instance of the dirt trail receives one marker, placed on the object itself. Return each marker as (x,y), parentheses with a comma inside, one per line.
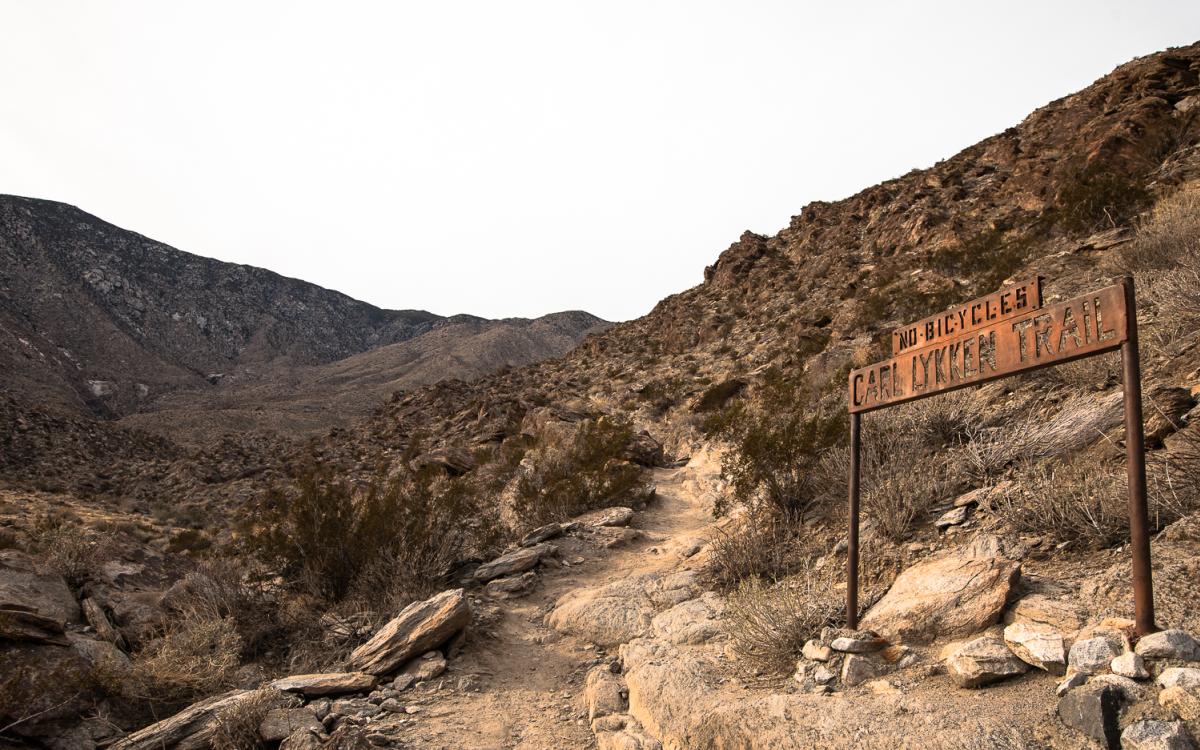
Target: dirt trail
(518,682)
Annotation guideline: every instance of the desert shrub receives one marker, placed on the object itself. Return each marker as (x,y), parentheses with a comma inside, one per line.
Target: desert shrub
(1165,258)
(715,397)
(68,549)
(1096,198)
(235,727)
(196,656)
(580,474)
(1083,500)
(774,444)
(240,591)
(768,623)
(324,533)
(758,545)
(986,258)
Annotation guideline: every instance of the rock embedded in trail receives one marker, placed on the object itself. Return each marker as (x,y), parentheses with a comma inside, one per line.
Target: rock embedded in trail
(281,723)
(510,586)
(691,622)
(510,563)
(421,626)
(1040,646)
(541,534)
(615,516)
(330,683)
(1129,665)
(983,661)
(952,595)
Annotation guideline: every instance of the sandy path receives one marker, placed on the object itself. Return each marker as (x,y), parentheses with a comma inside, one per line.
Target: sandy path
(518,682)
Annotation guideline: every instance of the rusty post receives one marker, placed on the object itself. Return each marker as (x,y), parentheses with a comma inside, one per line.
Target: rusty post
(852,523)
(1135,459)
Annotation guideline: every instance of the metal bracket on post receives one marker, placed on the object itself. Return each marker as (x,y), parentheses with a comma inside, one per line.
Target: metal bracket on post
(1135,467)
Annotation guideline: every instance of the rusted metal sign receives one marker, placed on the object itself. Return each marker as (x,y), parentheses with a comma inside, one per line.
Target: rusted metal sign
(1002,305)
(1038,337)
(996,336)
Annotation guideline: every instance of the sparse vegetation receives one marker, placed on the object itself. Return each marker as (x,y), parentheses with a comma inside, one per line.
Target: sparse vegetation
(236,726)
(768,623)
(584,473)
(1096,198)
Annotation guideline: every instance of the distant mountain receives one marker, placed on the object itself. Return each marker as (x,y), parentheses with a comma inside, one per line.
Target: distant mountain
(106,322)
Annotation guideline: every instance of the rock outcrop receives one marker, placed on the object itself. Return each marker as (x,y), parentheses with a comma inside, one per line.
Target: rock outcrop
(419,628)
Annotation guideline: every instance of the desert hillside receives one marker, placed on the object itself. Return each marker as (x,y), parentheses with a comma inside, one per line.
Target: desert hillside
(641,543)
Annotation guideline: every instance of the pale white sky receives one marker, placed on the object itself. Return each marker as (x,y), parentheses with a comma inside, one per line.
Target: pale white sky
(517,158)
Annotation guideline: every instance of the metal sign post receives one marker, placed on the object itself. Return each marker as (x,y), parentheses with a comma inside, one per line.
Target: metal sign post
(996,336)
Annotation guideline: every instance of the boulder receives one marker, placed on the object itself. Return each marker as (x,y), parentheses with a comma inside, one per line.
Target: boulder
(1094,710)
(1129,665)
(953,517)
(858,642)
(1169,644)
(331,683)
(1092,655)
(1040,646)
(816,651)
(614,516)
(644,450)
(23,588)
(510,563)
(1149,734)
(20,624)
(281,723)
(511,586)
(421,626)
(983,661)
(1184,677)
(1184,702)
(1065,616)
(541,534)
(302,739)
(952,595)
(428,667)
(858,669)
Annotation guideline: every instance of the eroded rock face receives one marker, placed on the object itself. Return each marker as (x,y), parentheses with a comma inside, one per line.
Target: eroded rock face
(22,587)
(694,621)
(621,611)
(420,627)
(983,661)
(953,595)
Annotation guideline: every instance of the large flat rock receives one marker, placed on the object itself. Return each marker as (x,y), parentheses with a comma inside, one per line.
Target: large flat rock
(422,626)
(950,596)
(329,683)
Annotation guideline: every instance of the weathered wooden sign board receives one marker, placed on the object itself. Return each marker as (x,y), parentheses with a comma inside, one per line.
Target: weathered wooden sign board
(1002,334)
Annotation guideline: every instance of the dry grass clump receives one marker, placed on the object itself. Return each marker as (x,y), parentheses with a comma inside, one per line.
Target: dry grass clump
(759,545)
(583,473)
(1165,258)
(236,726)
(768,623)
(1083,500)
(65,547)
(196,656)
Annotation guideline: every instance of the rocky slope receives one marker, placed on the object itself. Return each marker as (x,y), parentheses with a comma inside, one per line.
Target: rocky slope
(105,321)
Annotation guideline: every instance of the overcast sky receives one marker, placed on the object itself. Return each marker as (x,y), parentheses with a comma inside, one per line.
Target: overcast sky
(517,158)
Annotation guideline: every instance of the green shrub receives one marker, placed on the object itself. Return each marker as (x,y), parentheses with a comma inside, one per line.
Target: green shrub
(1095,198)
(585,473)
(774,445)
(324,533)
